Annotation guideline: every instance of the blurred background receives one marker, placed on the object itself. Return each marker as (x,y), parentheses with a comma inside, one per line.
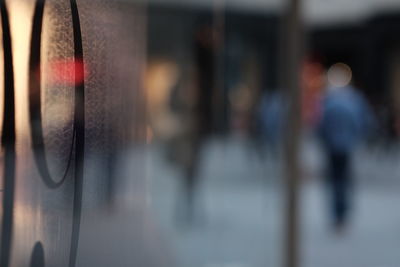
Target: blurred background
(200,133)
(218,169)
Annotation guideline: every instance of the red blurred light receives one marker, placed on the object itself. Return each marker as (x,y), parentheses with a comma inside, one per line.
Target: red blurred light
(67,71)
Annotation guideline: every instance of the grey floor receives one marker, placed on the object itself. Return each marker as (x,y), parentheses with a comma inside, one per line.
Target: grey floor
(240,209)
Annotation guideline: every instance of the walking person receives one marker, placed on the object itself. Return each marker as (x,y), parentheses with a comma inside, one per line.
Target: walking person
(345,121)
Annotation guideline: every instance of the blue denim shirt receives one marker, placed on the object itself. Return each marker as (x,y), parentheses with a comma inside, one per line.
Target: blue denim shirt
(346,119)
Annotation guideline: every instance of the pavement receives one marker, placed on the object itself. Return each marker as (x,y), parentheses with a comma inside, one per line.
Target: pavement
(240,209)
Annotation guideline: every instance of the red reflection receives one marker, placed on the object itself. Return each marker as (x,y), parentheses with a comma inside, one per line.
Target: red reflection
(312,83)
(67,71)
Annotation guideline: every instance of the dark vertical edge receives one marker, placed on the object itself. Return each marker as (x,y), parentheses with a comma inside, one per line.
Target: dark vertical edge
(218,96)
(79,131)
(8,141)
(35,67)
(35,102)
(293,44)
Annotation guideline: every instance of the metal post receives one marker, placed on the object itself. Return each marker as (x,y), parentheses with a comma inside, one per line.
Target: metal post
(291,70)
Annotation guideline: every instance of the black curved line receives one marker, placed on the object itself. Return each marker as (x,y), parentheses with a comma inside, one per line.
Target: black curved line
(35,103)
(8,140)
(79,130)
(79,117)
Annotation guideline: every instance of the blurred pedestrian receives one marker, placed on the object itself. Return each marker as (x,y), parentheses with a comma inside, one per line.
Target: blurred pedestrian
(345,121)
(200,112)
(273,110)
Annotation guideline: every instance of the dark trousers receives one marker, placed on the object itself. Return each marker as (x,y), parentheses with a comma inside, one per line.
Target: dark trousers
(339,184)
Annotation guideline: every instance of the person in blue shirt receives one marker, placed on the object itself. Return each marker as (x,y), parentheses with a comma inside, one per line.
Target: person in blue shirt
(346,119)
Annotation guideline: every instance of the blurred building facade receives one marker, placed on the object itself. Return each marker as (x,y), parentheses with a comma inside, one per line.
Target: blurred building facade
(249,60)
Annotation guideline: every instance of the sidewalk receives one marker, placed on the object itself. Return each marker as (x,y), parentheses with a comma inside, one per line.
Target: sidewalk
(242,216)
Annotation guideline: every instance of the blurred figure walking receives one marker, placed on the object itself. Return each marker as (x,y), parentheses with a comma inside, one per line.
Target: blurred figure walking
(273,110)
(345,121)
(201,115)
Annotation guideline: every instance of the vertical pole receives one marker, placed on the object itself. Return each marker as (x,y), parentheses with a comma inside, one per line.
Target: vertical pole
(291,70)
(219,46)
